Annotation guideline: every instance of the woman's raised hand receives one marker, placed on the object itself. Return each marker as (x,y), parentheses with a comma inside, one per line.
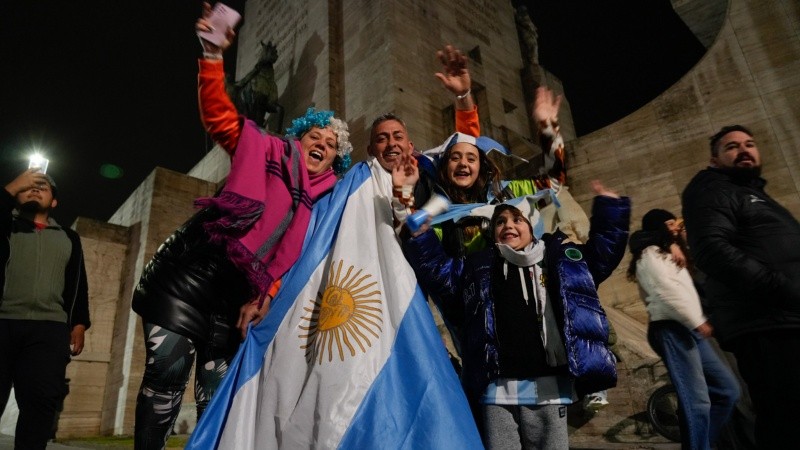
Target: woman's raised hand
(546,106)
(454,75)
(204,25)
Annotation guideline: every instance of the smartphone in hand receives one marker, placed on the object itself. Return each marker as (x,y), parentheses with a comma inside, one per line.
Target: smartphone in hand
(38,162)
(222,17)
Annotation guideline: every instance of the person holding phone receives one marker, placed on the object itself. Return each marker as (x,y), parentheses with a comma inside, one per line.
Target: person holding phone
(216,274)
(44,308)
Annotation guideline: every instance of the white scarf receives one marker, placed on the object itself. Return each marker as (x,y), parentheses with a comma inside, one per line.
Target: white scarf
(531,257)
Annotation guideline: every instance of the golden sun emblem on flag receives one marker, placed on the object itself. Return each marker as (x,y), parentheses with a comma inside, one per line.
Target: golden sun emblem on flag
(342,317)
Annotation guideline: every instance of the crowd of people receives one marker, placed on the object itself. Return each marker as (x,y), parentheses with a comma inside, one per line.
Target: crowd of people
(515,278)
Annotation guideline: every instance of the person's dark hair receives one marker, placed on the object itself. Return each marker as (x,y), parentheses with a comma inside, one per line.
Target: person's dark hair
(655,218)
(383,118)
(655,233)
(499,209)
(714,140)
(488,178)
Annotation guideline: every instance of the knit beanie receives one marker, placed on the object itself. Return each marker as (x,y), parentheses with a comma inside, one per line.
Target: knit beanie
(655,218)
(53,187)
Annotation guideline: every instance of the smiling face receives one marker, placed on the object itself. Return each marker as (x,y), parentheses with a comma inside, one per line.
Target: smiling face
(319,148)
(736,150)
(675,226)
(512,229)
(463,165)
(388,141)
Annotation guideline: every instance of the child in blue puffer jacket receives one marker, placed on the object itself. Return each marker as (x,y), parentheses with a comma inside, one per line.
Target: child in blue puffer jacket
(534,331)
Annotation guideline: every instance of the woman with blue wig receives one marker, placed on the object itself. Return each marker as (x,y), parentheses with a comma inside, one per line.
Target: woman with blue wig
(218,272)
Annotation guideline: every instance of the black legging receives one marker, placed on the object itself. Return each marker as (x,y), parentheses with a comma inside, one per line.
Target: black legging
(168,364)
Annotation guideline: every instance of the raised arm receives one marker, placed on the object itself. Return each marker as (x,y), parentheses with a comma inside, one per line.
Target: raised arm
(545,113)
(455,78)
(28,179)
(608,232)
(24,181)
(217,112)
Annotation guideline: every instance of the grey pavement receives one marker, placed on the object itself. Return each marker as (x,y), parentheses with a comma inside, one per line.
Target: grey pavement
(7,443)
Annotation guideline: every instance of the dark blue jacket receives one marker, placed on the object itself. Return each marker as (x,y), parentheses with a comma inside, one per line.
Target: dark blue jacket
(574,271)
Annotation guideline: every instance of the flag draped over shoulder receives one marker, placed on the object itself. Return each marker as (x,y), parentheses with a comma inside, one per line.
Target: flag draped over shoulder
(348,356)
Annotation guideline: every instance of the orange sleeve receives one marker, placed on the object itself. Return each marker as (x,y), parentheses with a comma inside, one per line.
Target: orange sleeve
(276,286)
(219,116)
(467,122)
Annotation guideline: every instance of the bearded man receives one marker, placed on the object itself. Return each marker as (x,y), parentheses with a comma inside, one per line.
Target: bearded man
(44,310)
(749,247)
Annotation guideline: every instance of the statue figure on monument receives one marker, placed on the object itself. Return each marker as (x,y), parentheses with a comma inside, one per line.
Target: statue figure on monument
(256,94)
(528,36)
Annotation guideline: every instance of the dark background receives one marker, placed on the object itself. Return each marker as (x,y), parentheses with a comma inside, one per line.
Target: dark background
(103,82)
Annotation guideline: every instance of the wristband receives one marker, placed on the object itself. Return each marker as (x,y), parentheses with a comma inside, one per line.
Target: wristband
(464,95)
(405,194)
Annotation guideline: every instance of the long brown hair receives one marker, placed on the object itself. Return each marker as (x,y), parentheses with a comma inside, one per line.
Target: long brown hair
(488,179)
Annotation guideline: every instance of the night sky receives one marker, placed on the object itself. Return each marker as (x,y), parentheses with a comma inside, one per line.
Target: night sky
(94,83)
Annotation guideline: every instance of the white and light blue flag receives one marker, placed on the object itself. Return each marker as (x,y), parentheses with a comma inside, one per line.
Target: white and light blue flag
(348,356)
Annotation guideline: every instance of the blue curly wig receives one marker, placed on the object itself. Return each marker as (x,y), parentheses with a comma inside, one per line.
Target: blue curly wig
(322,119)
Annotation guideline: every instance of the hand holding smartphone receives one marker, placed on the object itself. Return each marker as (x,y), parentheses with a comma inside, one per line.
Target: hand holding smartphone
(222,17)
(38,162)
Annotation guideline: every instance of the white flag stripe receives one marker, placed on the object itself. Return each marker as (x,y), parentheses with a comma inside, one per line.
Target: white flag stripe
(303,373)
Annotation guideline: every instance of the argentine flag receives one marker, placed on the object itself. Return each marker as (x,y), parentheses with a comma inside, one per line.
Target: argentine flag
(348,356)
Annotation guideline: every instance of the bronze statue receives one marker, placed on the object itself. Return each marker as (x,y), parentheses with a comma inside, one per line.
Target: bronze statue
(528,36)
(256,94)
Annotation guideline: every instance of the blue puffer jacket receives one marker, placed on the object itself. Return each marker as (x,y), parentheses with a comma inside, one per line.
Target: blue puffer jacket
(574,271)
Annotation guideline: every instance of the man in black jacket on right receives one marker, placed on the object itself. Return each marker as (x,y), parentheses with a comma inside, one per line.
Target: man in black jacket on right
(749,247)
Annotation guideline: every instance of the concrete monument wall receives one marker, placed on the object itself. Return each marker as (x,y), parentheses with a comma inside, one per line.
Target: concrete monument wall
(106,377)
(750,76)
(365,58)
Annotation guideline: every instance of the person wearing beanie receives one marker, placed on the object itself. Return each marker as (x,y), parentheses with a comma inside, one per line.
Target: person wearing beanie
(678,329)
(525,301)
(655,219)
(44,308)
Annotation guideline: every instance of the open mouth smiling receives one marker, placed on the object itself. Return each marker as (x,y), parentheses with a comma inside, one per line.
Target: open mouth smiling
(316,154)
(508,236)
(391,154)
